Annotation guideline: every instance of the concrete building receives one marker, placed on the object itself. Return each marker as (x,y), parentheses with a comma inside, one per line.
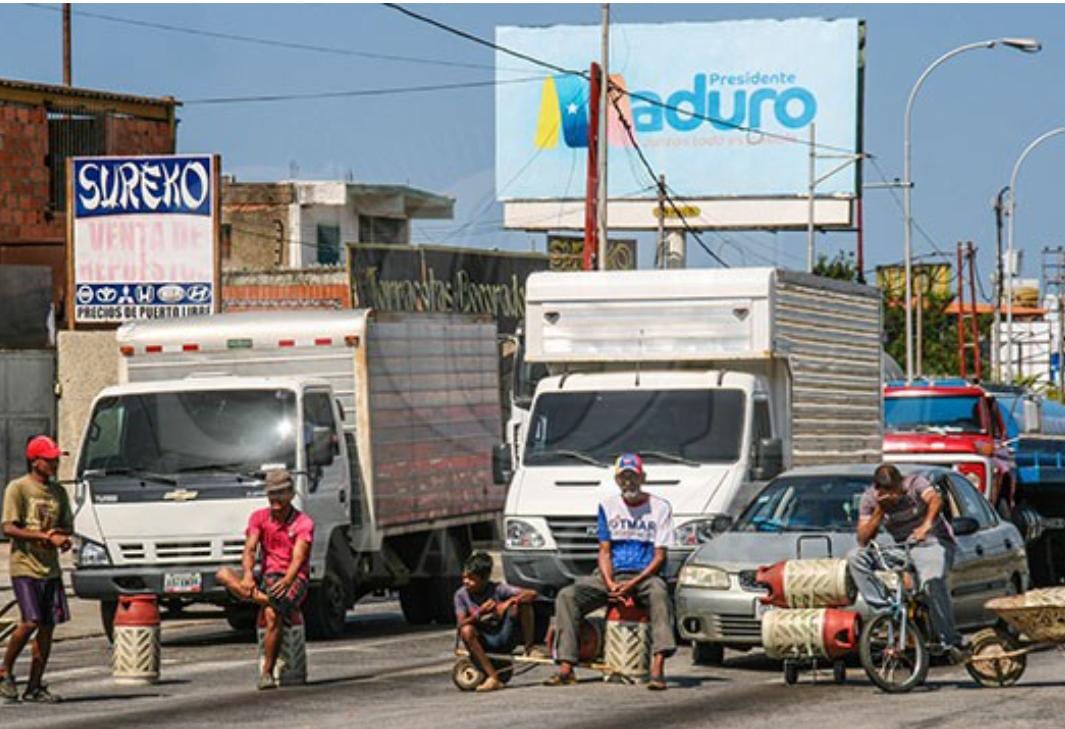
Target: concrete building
(41,125)
(300,224)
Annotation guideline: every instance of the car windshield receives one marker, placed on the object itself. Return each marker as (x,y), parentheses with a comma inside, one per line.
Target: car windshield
(676,426)
(804,504)
(177,432)
(944,414)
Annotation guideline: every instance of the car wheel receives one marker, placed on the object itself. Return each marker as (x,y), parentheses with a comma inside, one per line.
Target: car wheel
(707,654)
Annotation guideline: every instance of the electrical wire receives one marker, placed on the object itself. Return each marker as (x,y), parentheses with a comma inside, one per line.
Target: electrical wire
(255,40)
(358,92)
(690,113)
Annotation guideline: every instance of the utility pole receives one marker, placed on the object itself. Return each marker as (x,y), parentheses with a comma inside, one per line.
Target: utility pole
(67,76)
(919,281)
(604,97)
(660,247)
(590,254)
(1054,278)
(996,363)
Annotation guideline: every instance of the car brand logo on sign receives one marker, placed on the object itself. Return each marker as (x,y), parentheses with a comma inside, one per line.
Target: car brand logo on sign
(143,237)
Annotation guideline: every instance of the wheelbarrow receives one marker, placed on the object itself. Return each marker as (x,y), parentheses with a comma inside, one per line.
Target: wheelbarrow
(1031,622)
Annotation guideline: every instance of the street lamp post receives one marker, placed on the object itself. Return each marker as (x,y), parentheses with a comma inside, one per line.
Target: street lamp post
(1010,211)
(1027,45)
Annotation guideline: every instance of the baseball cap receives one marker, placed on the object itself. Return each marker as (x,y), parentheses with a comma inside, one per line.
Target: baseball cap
(278,479)
(42,446)
(629,462)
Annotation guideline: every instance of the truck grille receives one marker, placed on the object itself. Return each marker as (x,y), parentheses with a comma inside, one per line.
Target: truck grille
(178,551)
(577,539)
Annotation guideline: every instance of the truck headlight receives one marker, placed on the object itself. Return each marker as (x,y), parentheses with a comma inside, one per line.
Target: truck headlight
(91,554)
(523,535)
(693,533)
(693,575)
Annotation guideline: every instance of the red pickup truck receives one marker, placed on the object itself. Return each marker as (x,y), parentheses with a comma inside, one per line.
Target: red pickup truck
(952,423)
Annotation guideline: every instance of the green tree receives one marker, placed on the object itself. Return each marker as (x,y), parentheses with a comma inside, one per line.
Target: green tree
(840,267)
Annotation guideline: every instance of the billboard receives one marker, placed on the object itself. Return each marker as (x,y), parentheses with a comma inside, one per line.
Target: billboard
(722,109)
(442,279)
(142,237)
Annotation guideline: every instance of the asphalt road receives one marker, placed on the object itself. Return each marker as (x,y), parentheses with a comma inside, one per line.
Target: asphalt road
(384,673)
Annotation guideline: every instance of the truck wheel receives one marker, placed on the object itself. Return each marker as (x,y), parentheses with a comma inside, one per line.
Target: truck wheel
(240,618)
(415,600)
(443,599)
(108,608)
(707,654)
(326,609)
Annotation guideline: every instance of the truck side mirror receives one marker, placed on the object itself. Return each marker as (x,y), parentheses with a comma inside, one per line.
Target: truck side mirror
(502,464)
(768,459)
(321,449)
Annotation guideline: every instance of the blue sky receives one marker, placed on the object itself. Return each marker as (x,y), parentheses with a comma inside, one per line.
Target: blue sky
(974,116)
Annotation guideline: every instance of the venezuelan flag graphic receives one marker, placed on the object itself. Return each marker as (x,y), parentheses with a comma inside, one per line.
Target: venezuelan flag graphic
(564,105)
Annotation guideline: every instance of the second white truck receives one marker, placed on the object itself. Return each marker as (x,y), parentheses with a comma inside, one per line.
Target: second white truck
(720,379)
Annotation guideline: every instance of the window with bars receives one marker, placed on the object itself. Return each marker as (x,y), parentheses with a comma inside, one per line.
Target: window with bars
(328,245)
(71,134)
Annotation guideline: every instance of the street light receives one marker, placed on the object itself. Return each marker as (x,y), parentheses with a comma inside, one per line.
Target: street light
(1025,45)
(1010,207)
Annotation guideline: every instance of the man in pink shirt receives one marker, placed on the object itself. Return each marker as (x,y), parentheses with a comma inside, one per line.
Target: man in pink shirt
(283,536)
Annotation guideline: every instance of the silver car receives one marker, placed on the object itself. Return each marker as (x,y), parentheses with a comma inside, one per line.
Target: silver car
(813,513)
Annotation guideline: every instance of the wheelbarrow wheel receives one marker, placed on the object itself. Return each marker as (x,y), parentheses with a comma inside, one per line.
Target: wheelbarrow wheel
(466,675)
(997,673)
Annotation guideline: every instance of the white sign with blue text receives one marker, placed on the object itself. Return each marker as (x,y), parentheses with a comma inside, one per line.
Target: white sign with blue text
(723,109)
(144,237)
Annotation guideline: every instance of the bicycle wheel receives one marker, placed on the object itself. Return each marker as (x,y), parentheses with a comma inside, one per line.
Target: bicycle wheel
(894,666)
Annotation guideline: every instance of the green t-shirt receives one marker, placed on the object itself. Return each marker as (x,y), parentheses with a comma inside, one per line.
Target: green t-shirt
(32,505)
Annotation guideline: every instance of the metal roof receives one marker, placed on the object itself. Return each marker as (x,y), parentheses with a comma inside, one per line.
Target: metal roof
(39,94)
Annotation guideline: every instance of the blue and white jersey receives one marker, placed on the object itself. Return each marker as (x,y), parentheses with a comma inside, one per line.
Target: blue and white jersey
(635,530)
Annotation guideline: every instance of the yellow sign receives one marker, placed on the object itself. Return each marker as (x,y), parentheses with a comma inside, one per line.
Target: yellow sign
(680,211)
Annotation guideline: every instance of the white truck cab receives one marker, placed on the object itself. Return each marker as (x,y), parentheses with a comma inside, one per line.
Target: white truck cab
(719,379)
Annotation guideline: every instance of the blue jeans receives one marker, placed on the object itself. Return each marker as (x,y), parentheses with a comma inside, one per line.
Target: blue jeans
(501,638)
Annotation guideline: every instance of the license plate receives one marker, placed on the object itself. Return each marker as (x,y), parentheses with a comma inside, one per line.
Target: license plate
(183,582)
(760,609)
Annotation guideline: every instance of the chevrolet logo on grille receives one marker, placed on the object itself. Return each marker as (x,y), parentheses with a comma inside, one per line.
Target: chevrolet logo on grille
(181,495)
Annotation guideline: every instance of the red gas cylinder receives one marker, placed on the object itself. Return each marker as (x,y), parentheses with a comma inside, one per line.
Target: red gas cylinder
(627,611)
(137,611)
(840,632)
(772,578)
(591,641)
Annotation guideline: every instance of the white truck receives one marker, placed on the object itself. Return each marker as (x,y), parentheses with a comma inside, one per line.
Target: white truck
(386,420)
(718,378)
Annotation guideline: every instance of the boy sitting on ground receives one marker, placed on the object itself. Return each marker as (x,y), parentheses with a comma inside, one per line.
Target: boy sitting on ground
(488,614)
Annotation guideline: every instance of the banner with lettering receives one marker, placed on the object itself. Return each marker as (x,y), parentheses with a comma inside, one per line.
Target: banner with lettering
(144,234)
(443,279)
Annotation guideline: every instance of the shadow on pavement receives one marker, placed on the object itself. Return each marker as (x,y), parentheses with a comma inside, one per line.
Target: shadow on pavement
(107,697)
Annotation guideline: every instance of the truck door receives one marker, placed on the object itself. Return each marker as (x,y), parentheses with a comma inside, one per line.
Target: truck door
(327,486)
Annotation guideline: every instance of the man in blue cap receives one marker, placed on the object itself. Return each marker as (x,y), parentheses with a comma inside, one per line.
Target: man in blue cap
(635,530)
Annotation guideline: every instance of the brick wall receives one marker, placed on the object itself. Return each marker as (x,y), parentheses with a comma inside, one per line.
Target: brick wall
(255,219)
(24,213)
(316,288)
(126,135)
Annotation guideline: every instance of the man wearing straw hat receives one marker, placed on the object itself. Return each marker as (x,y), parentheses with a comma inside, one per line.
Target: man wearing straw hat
(283,536)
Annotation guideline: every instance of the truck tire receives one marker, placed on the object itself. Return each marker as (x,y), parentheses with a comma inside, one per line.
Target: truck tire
(443,598)
(416,602)
(108,608)
(326,609)
(707,654)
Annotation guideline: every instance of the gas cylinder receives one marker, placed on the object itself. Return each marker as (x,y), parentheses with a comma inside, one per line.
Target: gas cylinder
(291,666)
(807,583)
(627,650)
(135,652)
(810,633)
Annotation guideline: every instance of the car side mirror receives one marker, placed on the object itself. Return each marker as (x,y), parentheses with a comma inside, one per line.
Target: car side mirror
(321,449)
(720,524)
(768,459)
(965,525)
(502,464)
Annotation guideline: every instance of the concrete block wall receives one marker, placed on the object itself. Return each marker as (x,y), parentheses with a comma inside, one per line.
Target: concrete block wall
(127,135)
(86,362)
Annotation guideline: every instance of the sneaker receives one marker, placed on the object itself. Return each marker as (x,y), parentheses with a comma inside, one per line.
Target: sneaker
(8,689)
(266,682)
(40,695)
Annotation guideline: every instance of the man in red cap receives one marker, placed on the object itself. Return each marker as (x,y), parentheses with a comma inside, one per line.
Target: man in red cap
(38,521)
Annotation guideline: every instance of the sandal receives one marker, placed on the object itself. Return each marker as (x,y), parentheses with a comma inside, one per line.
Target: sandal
(559,680)
(657,683)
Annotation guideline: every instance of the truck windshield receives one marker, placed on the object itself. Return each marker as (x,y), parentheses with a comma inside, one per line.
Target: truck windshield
(704,426)
(933,414)
(809,504)
(173,432)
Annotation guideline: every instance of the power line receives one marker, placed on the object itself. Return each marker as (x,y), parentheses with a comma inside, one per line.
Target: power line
(357,93)
(255,40)
(584,74)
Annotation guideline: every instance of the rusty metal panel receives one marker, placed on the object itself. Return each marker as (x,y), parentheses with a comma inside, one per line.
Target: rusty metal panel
(433,390)
(830,333)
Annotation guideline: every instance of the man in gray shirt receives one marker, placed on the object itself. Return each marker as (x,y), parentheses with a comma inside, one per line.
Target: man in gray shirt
(910,509)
